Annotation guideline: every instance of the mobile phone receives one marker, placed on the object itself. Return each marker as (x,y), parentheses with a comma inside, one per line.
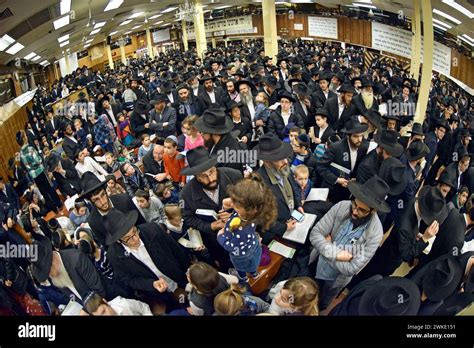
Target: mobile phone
(298,216)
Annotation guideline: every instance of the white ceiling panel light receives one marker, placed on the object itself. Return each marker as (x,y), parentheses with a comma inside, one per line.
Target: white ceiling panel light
(128,21)
(93,32)
(99,25)
(15,48)
(136,15)
(136,27)
(169,9)
(61,22)
(222,7)
(366,5)
(466,41)
(112,5)
(445,15)
(63,38)
(459,7)
(29,56)
(89,41)
(156,16)
(86,45)
(65,6)
(5,41)
(114,32)
(437,21)
(439,27)
(44,63)
(65,43)
(36,58)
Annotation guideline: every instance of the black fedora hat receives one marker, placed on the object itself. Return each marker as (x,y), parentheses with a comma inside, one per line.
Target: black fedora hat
(372,193)
(206,77)
(199,161)
(455,304)
(271,148)
(166,86)
(366,82)
(42,265)
(443,124)
(286,95)
(354,79)
(302,89)
(321,112)
(325,75)
(117,224)
(291,82)
(417,129)
(440,278)
(465,133)
(274,68)
(448,178)
(189,76)
(214,121)
(142,106)
(233,104)
(52,162)
(282,59)
(390,116)
(395,296)
(374,118)
(432,205)
(347,88)
(387,140)
(393,172)
(245,82)
(353,126)
(272,82)
(158,98)
(417,149)
(90,183)
(295,69)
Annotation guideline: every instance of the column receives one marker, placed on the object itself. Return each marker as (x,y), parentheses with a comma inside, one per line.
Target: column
(416,40)
(213,42)
(269,28)
(122,55)
(426,71)
(185,34)
(109,55)
(32,82)
(149,44)
(57,76)
(199,29)
(66,61)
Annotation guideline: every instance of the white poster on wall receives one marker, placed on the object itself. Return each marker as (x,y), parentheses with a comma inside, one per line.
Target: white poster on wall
(398,41)
(322,27)
(73,64)
(161,35)
(235,23)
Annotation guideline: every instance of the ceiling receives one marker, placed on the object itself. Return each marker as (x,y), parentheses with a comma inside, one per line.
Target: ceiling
(32,21)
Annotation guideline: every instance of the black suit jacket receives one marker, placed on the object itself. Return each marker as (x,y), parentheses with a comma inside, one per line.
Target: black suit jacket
(120,202)
(369,166)
(165,252)
(219,95)
(332,107)
(276,124)
(360,106)
(137,124)
(151,166)
(227,142)
(327,133)
(50,129)
(308,118)
(71,183)
(319,99)
(70,147)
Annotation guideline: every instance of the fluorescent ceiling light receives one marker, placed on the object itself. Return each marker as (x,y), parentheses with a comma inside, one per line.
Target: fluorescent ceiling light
(445,15)
(177,20)
(159,22)
(93,32)
(222,7)
(126,22)
(87,45)
(169,9)
(65,6)
(441,23)
(458,7)
(156,16)
(64,37)
(136,15)
(113,4)
(439,27)
(468,37)
(62,44)
(90,40)
(114,32)
(302,1)
(44,62)
(357,4)
(36,58)
(29,56)
(465,40)
(61,22)
(128,32)
(99,25)
(281,2)
(15,48)
(166,24)
(136,27)
(5,41)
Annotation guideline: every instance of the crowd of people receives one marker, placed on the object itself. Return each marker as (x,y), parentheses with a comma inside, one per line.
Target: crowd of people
(170,213)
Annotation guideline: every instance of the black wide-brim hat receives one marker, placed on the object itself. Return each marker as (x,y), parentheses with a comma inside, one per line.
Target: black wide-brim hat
(374,117)
(52,162)
(214,121)
(302,88)
(206,78)
(388,141)
(383,298)
(285,94)
(117,224)
(42,265)
(347,88)
(89,184)
(353,126)
(252,86)
(417,149)
(393,172)
(455,304)
(199,161)
(272,148)
(272,82)
(142,107)
(372,193)
(432,205)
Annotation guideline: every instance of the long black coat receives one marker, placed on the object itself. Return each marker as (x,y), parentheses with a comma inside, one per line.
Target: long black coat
(71,183)
(368,167)
(165,252)
(308,118)
(332,107)
(137,124)
(226,143)
(121,202)
(276,124)
(220,96)
(151,166)
(319,99)
(360,106)
(70,147)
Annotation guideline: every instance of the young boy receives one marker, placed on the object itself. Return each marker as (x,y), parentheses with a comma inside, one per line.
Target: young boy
(173,165)
(81,134)
(111,165)
(147,145)
(166,193)
(303,155)
(294,132)
(301,175)
(322,131)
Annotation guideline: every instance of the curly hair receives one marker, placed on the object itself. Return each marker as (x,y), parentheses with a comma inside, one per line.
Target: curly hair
(304,294)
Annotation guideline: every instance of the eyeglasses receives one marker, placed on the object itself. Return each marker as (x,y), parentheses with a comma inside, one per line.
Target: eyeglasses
(133,235)
(208,176)
(361,211)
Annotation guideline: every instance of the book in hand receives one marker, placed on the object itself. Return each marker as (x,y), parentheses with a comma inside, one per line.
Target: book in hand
(281,249)
(300,233)
(69,203)
(317,194)
(207,214)
(194,239)
(340,171)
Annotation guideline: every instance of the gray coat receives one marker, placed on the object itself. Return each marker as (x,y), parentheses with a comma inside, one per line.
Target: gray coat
(156,122)
(365,246)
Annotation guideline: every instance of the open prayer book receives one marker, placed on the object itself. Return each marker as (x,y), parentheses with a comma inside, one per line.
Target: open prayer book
(301,230)
(194,239)
(69,203)
(281,249)
(207,214)
(317,194)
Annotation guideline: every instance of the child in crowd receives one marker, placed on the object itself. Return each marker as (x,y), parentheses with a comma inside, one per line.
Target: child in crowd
(149,206)
(90,143)
(320,133)
(301,175)
(146,146)
(321,148)
(173,165)
(460,199)
(113,187)
(193,138)
(126,156)
(233,302)
(167,193)
(81,134)
(80,213)
(296,296)
(253,205)
(111,164)
(293,134)
(123,129)
(262,113)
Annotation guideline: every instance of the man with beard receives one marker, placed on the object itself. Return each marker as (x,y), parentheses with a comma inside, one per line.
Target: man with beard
(187,104)
(319,97)
(94,190)
(271,87)
(340,161)
(232,93)
(111,110)
(302,104)
(137,88)
(216,127)
(347,237)
(70,144)
(212,96)
(192,81)
(207,191)
(247,89)
(275,173)
(336,81)
(366,99)
(340,108)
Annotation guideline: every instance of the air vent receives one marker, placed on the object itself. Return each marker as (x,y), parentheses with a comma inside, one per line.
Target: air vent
(5,14)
